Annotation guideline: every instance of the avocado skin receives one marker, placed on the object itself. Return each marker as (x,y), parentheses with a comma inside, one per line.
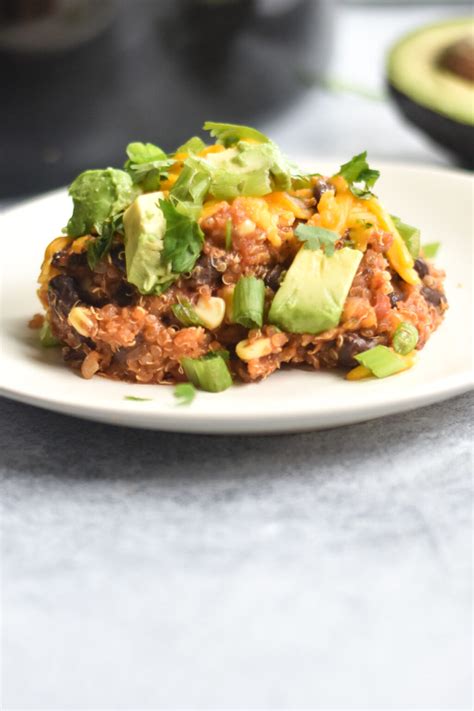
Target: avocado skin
(456,137)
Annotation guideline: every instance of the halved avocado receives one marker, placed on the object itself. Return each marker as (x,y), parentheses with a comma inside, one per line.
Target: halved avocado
(430,74)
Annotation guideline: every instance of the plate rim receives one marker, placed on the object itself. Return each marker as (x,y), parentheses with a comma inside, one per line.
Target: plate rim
(178,420)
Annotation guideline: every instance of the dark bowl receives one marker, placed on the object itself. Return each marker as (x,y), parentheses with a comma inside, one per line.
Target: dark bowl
(456,137)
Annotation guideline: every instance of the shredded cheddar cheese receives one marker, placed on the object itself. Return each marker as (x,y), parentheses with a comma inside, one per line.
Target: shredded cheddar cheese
(398,254)
(333,211)
(47,270)
(210,207)
(169,182)
(258,211)
(284,202)
(80,244)
(217,148)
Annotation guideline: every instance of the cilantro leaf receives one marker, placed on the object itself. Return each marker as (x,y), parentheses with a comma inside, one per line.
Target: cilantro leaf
(189,191)
(353,168)
(359,176)
(147,164)
(139,153)
(183,239)
(317,237)
(193,145)
(185,393)
(137,399)
(228,134)
(98,247)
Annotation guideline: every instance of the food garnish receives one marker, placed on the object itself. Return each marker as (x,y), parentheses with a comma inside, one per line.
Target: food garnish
(223,261)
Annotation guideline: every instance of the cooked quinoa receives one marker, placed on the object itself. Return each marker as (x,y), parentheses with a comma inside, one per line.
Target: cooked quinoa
(109,326)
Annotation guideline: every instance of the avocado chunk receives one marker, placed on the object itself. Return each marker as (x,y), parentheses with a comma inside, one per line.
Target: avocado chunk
(145,227)
(98,195)
(313,292)
(253,169)
(430,76)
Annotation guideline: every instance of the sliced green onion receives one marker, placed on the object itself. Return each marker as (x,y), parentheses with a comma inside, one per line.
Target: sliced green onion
(381,361)
(248,302)
(220,352)
(185,313)
(47,339)
(405,338)
(431,250)
(409,234)
(184,393)
(228,235)
(208,373)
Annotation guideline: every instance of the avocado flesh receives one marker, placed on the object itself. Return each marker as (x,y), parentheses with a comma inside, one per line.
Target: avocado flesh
(145,227)
(313,292)
(415,70)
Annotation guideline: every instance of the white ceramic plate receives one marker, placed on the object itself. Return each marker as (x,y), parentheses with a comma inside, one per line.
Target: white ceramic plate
(438,201)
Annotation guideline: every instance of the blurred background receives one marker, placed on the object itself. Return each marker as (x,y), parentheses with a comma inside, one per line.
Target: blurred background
(82,78)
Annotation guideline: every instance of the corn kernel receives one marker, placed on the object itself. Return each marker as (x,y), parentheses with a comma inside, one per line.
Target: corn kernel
(79,318)
(227,293)
(249,350)
(211,311)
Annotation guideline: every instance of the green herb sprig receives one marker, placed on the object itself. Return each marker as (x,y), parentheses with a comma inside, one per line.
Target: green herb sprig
(359,176)
(317,238)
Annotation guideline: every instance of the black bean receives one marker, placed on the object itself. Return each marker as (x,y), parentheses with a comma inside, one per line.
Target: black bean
(60,258)
(395,298)
(273,277)
(434,296)
(351,346)
(397,293)
(321,186)
(72,355)
(63,293)
(77,259)
(69,260)
(204,273)
(117,254)
(421,268)
(125,295)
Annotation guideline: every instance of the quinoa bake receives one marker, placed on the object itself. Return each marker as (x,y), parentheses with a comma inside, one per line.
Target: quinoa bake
(225,262)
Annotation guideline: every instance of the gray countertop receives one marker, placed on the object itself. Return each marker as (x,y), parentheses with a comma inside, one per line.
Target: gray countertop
(329,570)
(326,570)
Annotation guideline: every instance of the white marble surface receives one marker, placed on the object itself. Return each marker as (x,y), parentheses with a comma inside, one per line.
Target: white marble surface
(328,570)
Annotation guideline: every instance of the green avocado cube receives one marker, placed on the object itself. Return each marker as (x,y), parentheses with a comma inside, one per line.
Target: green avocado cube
(313,292)
(145,227)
